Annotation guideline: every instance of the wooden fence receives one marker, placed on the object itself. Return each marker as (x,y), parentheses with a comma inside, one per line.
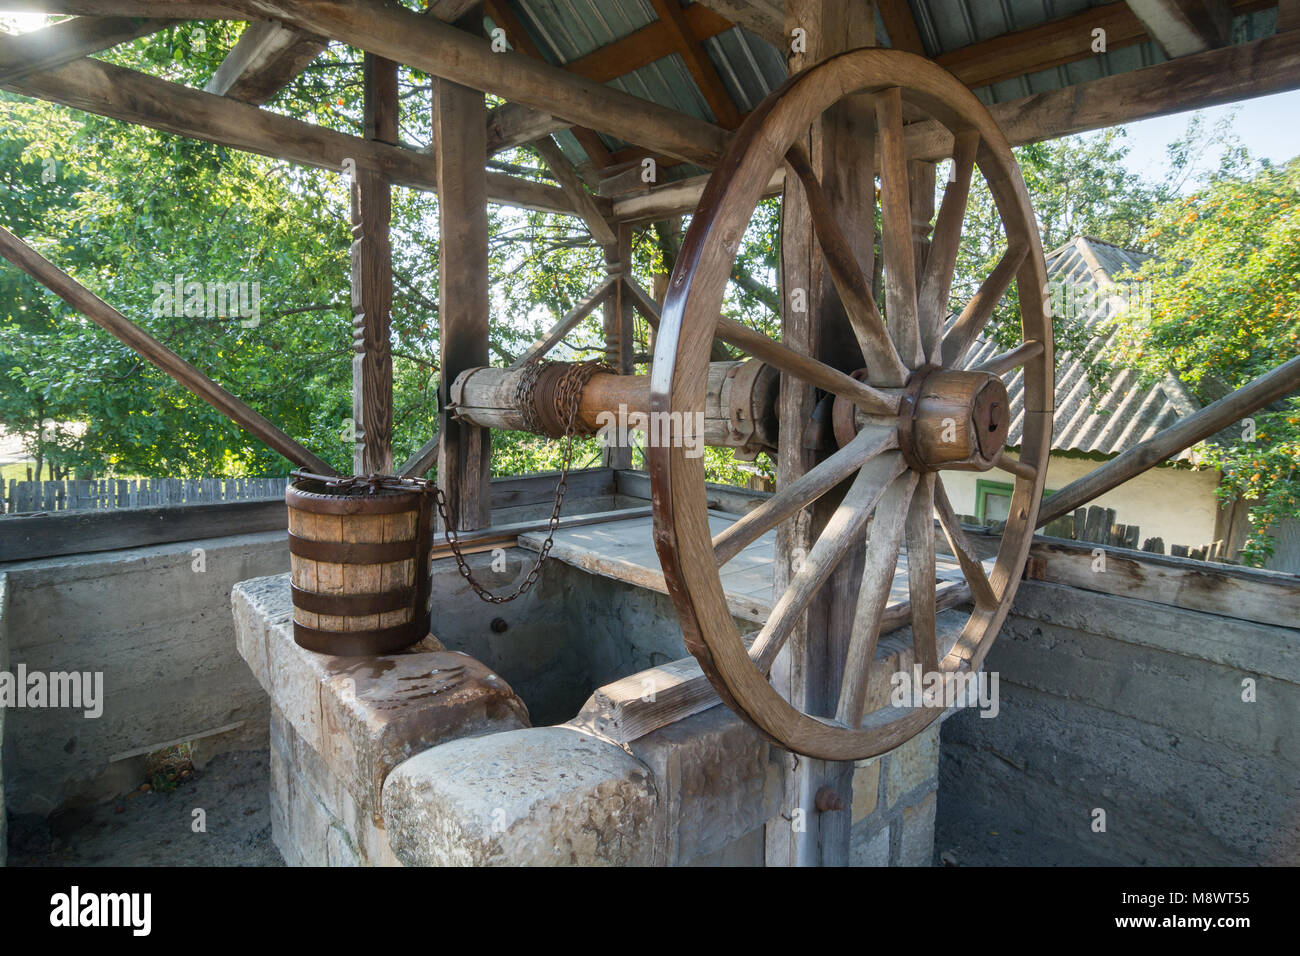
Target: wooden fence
(1098,525)
(42,497)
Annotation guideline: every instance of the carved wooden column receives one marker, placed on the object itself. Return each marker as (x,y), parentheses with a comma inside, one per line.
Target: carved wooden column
(618,328)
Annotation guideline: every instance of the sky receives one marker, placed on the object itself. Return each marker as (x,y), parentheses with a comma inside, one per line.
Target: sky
(1268,126)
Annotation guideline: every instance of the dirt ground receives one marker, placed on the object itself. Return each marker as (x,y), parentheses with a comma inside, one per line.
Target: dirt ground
(155,828)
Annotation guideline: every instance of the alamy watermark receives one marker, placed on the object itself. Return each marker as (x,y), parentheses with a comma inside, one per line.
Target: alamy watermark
(211,300)
(945,689)
(57,689)
(661,429)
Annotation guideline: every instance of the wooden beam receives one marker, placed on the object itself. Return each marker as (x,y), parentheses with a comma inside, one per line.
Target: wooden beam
(1170,441)
(132,97)
(181,9)
(70,40)
(899,23)
(1183,27)
(372,282)
(441,50)
(1288,15)
(1226,75)
(675,199)
(263,61)
(618,327)
(697,61)
(764,18)
(459,131)
(128,333)
(573,187)
(566,324)
(504,17)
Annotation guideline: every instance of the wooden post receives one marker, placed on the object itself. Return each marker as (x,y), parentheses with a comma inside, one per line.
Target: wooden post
(372,282)
(618,328)
(808,671)
(460,137)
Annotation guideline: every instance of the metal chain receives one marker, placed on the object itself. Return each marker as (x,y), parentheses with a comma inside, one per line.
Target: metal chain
(567,394)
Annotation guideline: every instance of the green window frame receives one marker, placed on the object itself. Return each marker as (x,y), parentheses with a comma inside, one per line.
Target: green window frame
(983,487)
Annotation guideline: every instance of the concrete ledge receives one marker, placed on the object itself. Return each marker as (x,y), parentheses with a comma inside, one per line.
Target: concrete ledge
(364,716)
(550,796)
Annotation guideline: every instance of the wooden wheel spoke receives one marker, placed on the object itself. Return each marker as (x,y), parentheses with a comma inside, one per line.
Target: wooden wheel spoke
(921,580)
(932,300)
(1021,469)
(806,368)
(896,230)
(980,589)
(883,364)
(844,528)
(980,308)
(883,547)
(1016,357)
(803,491)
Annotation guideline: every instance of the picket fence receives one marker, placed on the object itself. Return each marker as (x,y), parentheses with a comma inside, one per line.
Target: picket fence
(43,497)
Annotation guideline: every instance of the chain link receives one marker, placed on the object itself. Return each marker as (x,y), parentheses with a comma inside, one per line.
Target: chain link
(567,394)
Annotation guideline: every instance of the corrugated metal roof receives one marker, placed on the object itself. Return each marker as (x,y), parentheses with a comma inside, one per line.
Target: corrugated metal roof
(1125,414)
(751,67)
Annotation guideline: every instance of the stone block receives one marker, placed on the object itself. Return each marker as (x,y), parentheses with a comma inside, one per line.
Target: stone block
(866,788)
(717,781)
(916,847)
(548,796)
(364,716)
(912,765)
(869,849)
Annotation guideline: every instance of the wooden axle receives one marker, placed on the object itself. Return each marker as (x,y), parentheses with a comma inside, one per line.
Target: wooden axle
(739,412)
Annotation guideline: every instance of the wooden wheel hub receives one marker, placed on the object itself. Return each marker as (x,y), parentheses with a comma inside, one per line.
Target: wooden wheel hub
(947,419)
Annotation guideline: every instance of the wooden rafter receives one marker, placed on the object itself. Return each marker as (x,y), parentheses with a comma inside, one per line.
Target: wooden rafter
(70,40)
(571,183)
(517,34)
(900,25)
(263,61)
(1225,75)
(1182,28)
(764,18)
(697,62)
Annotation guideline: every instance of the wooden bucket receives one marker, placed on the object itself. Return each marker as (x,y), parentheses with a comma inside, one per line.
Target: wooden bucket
(360,567)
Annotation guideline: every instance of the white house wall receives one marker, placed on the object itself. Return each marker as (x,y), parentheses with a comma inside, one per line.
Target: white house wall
(1176,504)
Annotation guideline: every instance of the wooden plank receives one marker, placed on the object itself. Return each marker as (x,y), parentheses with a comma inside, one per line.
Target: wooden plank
(61,43)
(89,530)
(764,18)
(459,128)
(133,97)
(1182,28)
(443,51)
(372,282)
(149,348)
(265,58)
(508,535)
(1266,597)
(641,703)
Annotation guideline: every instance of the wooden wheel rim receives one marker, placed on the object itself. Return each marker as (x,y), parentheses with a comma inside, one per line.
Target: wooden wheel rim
(679,378)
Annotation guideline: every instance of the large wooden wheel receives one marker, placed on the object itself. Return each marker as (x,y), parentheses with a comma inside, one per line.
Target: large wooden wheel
(910,413)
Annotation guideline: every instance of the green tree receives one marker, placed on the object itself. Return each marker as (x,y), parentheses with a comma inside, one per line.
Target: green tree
(1224,308)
